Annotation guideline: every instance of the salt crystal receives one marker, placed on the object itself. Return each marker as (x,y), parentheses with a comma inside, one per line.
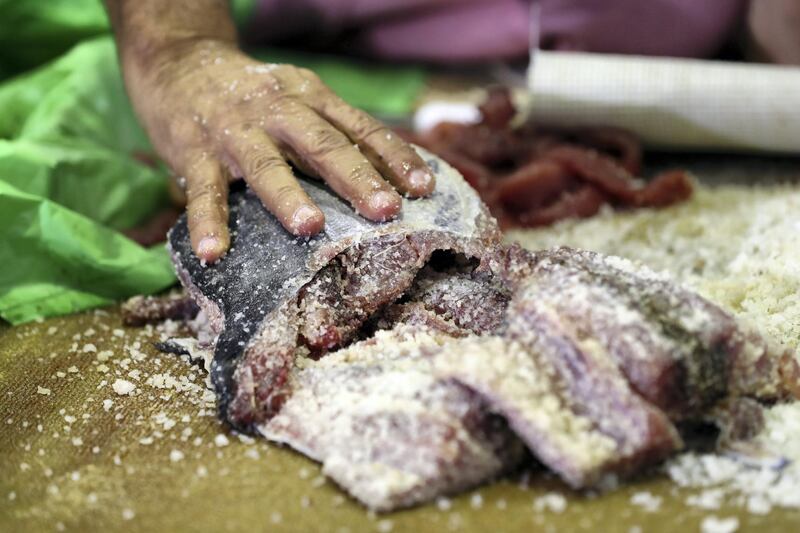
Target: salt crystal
(123,387)
(552,501)
(443,504)
(252,453)
(43,390)
(221,440)
(647,501)
(476,501)
(128,514)
(712,524)
(175,456)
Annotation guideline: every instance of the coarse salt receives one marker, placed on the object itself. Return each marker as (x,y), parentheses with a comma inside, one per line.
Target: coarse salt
(123,387)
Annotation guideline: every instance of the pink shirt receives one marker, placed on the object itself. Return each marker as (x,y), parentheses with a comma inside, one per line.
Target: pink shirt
(479,30)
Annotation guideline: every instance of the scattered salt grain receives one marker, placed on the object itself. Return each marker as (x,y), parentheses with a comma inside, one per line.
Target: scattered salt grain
(708,499)
(123,387)
(43,390)
(712,524)
(107,404)
(758,505)
(128,514)
(175,456)
(476,501)
(552,501)
(221,440)
(646,501)
(385,526)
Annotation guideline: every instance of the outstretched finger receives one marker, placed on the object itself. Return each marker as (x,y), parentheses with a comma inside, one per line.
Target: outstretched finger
(271,178)
(207,207)
(343,167)
(390,154)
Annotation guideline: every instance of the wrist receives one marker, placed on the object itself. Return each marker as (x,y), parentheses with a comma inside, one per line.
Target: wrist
(148,29)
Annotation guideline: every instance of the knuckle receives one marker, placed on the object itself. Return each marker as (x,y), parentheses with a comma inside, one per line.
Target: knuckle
(285,195)
(287,104)
(202,194)
(262,163)
(364,126)
(364,176)
(327,142)
(309,75)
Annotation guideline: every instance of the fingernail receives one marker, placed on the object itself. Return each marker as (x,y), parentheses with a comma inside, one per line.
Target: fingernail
(385,204)
(208,249)
(420,181)
(307,220)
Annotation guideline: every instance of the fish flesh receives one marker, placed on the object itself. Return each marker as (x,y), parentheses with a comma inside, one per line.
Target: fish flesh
(423,356)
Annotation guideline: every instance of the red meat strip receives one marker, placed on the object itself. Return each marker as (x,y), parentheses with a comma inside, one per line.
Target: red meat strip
(532,176)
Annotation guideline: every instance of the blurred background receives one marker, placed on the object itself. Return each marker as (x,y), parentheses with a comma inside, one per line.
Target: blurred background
(78,176)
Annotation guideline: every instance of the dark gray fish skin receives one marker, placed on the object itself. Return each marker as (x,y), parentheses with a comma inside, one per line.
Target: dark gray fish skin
(266,267)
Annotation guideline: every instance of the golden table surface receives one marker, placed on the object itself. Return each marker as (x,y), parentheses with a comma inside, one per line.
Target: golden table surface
(155,461)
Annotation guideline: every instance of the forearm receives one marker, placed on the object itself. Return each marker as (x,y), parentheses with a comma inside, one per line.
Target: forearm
(144,28)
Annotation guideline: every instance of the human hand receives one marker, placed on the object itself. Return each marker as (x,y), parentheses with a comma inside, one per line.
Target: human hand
(214,114)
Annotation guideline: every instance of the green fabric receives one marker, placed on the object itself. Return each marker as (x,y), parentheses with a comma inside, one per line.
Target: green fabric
(242,11)
(35,31)
(69,178)
(61,261)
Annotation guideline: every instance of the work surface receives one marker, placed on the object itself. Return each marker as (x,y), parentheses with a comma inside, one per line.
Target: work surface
(76,455)
(158,459)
